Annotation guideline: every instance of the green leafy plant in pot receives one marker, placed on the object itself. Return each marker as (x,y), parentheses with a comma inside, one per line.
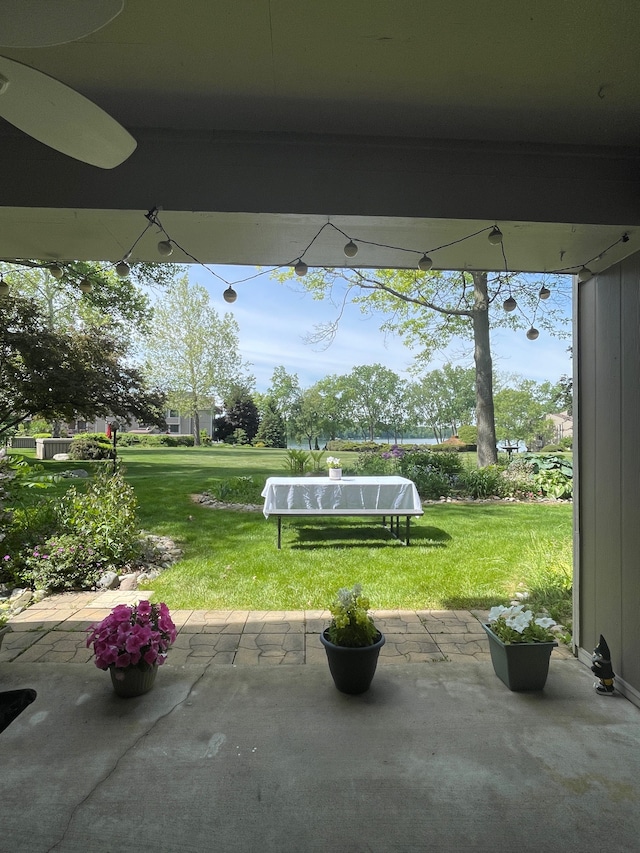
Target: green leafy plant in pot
(352,641)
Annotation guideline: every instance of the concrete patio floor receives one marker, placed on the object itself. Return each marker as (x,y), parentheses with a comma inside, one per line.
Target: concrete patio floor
(233,754)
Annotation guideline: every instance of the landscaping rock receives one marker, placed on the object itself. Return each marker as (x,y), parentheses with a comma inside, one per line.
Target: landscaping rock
(80,473)
(109,580)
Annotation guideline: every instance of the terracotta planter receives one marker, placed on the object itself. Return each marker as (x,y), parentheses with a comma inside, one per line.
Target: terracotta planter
(133,681)
(352,669)
(521,666)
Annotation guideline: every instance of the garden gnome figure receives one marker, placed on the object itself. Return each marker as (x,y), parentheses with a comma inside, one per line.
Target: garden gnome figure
(601,658)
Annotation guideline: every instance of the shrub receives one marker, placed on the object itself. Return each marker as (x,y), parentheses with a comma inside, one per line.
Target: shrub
(552,448)
(89,448)
(242,490)
(369,464)
(468,434)
(433,473)
(340,445)
(482,482)
(65,562)
(104,517)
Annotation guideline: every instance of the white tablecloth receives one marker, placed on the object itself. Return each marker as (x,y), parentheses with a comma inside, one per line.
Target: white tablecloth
(348,496)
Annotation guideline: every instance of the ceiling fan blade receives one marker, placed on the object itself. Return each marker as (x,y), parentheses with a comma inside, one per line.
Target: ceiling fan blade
(60,117)
(43,23)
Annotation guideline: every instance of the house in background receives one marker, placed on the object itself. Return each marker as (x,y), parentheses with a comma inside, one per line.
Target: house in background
(177,424)
(562,426)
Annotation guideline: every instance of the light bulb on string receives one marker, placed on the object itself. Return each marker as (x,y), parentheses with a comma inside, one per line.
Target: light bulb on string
(533,334)
(584,274)
(425,263)
(510,304)
(123,269)
(544,293)
(351,250)
(495,236)
(56,271)
(229,295)
(300,267)
(86,285)
(165,248)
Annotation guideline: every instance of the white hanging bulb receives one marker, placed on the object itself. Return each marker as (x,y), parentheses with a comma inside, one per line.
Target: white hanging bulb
(4,287)
(86,285)
(165,248)
(545,293)
(56,271)
(123,269)
(584,274)
(425,263)
(532,334)
(229,295)
(510,304)
(351,250)
(300,268)
(495,236)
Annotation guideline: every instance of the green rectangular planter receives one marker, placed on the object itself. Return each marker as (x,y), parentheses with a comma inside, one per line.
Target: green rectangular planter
(521,666)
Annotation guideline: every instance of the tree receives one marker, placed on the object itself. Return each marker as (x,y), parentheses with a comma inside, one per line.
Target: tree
(63,374)
(271,430)
(284,392)
(521,408)
(430,309)
(240,410)
(371,394)
(193,353)
(444,399)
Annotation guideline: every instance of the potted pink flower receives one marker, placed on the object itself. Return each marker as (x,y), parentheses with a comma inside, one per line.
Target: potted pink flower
(132,642)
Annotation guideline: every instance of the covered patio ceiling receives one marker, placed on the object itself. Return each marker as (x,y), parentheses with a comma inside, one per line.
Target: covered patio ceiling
(407,126)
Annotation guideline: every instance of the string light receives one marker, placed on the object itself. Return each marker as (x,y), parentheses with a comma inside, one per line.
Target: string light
(123,269)
(56,271)
(86,285)
(351,248)
(584,274)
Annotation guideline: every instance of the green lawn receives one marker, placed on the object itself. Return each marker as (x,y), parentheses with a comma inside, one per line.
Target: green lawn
(461,555)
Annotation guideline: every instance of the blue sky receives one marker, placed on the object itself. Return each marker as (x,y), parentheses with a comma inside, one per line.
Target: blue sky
(274,318)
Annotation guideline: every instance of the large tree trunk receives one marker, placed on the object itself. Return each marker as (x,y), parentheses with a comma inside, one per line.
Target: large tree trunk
(196,428)
(487,448)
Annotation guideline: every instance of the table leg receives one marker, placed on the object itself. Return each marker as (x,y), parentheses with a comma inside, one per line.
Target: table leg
(408,523)
(279,531)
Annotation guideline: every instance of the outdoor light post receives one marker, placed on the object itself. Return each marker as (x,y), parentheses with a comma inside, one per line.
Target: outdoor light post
(115,426)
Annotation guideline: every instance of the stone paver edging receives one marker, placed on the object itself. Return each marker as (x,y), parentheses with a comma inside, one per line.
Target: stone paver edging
(53,631)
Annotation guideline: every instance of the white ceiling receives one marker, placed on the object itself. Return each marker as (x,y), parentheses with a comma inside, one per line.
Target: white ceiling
(513,74)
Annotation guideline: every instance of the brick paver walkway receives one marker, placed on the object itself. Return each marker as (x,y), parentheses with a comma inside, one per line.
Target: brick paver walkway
(54,631)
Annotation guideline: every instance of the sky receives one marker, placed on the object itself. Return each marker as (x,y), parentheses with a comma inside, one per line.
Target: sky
(274,319)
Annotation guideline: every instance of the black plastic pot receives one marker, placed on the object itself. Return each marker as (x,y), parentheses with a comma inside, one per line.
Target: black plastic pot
(352,669)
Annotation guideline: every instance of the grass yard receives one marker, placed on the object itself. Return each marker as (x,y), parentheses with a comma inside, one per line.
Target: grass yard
(461,555)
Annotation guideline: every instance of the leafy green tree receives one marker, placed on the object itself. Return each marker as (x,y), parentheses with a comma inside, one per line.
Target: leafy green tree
(444,399)
(62,374)
(193,353)
(285,393)
(271,430)
(521,408)
(372,395)
(241,412)
(430,309)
